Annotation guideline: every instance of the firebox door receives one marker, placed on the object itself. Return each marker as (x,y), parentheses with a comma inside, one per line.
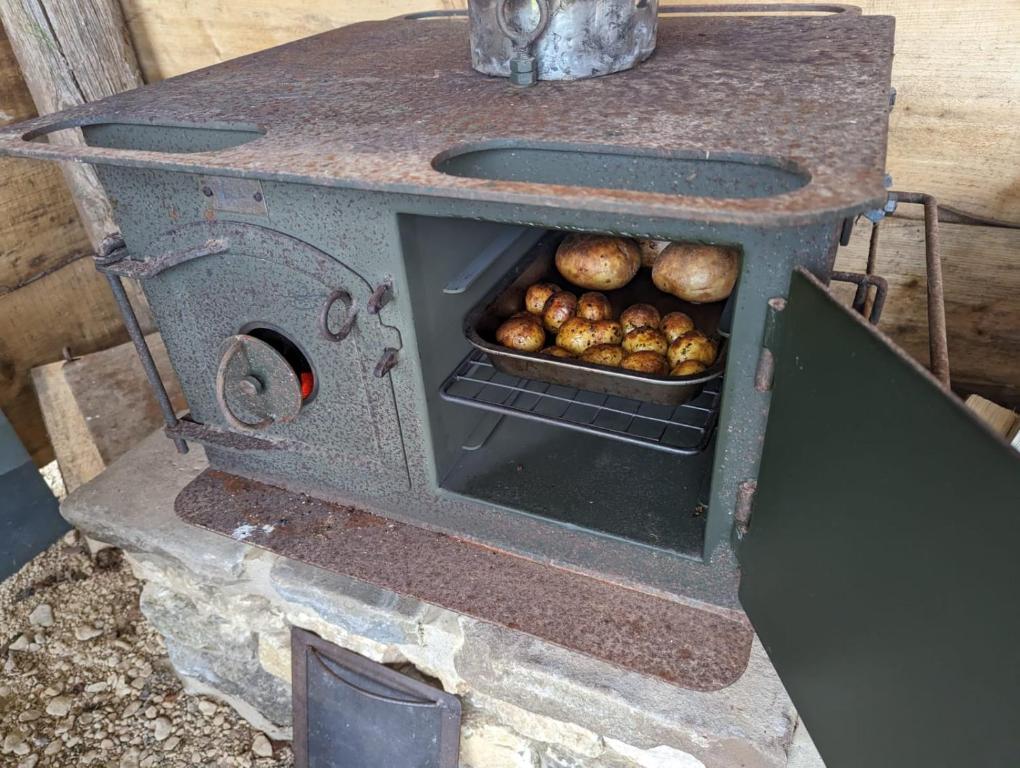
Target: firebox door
(880,564)
(276,339)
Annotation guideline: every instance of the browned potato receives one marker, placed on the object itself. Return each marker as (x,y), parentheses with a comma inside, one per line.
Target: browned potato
(608,331)
(537,295)
(687,368)
(646,340)
(594,306)
(650,250)
(577,335)
(639,316)
(557,352)
(646,362)
(598,262)
(523,333)
(675,325)
(558,309)
(604,354)
(696,273)
(693,345)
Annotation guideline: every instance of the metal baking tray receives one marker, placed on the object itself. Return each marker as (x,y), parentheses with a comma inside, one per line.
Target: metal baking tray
(538,265)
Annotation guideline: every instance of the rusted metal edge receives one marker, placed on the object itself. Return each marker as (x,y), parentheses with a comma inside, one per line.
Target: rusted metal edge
(699,649)
(304,140)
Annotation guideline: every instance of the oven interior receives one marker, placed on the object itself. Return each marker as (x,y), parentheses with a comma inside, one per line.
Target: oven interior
(619,467)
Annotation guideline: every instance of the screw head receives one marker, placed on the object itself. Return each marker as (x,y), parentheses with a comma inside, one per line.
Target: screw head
(207,191)
(249,386)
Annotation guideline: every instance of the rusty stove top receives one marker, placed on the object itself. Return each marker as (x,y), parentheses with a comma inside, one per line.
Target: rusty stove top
(371,105)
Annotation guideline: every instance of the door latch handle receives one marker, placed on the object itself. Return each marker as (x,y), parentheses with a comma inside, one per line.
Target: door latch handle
(387,362)
(380,296)
(347,326)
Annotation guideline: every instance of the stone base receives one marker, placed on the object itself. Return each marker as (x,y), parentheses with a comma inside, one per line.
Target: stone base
(225,609)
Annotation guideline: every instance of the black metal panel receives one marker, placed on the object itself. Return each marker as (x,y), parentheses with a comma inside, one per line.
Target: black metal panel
(352,712)
(880,569)
(29,519)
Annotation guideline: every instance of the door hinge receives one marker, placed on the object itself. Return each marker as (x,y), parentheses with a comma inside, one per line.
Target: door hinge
(745,503)
(766,370)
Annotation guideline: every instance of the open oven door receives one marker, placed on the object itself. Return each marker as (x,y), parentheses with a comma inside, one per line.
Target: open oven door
(880,568)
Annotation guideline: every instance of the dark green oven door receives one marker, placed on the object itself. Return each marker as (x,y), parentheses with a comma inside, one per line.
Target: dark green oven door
(880,568)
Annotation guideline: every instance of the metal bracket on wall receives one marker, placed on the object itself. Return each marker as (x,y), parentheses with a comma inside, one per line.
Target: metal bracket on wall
(111,251)
(938,344)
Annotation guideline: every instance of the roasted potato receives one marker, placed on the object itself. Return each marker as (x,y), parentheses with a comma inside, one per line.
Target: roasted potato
(639,316)
(522,332)
(646,362)
(537,295)
(650,250)
(598,262)
(604,354)
(687,368)
(557,352)
(608,332)
(558,309)
(696,273)
(693,345)
(675,325)
(646,340)
(594,306)
(577,335)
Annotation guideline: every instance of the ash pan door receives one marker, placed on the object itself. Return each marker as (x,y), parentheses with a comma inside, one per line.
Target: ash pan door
(880,566)
(274,338)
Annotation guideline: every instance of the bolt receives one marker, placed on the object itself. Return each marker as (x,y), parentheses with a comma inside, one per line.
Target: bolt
(522,70)
(249,386)
(207,191)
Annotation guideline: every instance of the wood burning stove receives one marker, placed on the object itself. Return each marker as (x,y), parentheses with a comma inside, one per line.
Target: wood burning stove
(316,227)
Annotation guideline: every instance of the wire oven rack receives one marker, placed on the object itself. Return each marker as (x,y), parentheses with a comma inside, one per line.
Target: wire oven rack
(684,429)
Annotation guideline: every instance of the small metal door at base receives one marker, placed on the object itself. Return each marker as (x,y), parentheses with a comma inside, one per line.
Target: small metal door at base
(880,568)
(351,712)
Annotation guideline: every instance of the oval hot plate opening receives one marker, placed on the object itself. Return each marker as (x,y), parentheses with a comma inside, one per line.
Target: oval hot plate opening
(148,137)
(691,174)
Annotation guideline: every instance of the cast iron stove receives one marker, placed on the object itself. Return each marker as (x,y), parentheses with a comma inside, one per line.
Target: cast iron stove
(312,225)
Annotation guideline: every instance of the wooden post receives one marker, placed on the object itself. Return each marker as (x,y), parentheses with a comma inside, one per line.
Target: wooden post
(71,52)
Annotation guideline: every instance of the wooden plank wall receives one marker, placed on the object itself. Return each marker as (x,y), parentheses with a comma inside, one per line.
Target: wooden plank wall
(50,295)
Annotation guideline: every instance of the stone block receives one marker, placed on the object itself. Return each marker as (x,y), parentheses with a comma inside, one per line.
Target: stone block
(226,610)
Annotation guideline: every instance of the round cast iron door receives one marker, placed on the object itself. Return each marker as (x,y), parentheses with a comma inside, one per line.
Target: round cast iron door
(255,385)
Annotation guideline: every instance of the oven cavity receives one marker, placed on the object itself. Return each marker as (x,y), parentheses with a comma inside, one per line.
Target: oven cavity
(596,447)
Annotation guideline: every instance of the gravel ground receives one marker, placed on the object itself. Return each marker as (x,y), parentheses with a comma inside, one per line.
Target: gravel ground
(86,681)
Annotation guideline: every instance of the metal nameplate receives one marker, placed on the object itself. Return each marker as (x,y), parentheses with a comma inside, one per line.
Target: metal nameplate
(230,195)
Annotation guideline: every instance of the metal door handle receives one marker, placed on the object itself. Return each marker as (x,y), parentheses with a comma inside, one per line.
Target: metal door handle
(348,324)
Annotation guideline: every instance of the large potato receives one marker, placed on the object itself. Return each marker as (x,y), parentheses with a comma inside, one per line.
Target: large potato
(688,368)
(646,340)
(608,331)
(696,273)
(594,306)
(577,335)
(522,332)
(598,262)
(693,345)
(639,316)
(557,352)
(558,309)
(537,295)
(646,362)
(675,325)
(604,354)
(650,250)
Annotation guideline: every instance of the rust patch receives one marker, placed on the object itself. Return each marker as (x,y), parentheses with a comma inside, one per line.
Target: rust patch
(703,650)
